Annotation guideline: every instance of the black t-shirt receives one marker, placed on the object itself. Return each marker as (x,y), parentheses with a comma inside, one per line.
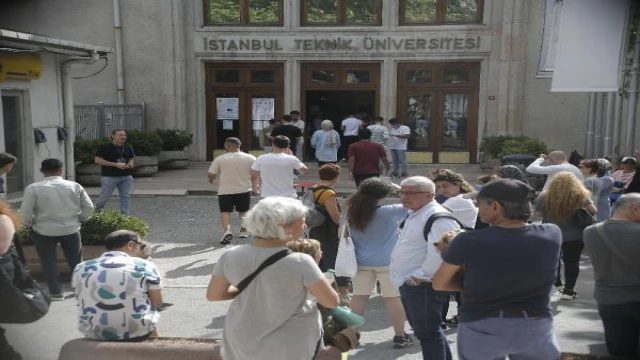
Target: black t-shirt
(113,153)
(290,131)
(506,269)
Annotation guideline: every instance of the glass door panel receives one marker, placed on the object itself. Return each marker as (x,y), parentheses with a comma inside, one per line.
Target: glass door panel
(417,116)
(455,122)
(227,117)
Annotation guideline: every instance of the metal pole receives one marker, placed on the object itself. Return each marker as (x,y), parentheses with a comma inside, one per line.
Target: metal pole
(117,28)
(616,147)
(608,125)
(591,124)
(597,152)
(630,130)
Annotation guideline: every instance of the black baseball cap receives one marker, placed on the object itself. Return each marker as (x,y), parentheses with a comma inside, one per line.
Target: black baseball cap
(508,190)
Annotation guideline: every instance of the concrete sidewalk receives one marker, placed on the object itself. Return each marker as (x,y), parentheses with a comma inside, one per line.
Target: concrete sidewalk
(193,180)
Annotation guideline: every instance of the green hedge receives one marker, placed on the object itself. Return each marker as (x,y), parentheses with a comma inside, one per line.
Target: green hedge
(174,139)
(84,150)
(103,223)
(144,143)
(501,145)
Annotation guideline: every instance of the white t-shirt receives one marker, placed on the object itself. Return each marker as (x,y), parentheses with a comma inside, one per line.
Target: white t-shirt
(351,126)
(234,172)
(463,209)
(396,143)
(552,170)
(300,125)
(276,174)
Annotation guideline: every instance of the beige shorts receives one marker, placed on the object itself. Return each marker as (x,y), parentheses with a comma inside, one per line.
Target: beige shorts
(365,281)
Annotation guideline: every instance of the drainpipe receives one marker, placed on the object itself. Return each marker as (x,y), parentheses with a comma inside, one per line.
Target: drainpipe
(608,125)
(616,147)
(591,125)
(630,131)
(117,29)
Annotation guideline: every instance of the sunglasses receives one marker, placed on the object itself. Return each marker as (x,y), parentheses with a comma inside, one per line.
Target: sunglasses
(142,245)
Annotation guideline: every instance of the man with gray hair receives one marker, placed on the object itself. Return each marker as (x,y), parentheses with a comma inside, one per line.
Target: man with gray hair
(414,261)
(614,250)
(558,160)
(509,270)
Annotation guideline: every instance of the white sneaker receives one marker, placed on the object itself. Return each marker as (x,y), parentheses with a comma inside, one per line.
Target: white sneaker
(226,238)
(243,235)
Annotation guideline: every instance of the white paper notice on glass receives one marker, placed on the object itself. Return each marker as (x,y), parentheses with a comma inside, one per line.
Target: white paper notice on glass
(227,124)
(228,108)
(263,108)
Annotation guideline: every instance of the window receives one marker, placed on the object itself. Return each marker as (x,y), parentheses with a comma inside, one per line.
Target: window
(243,12)
(342,12)
(421,12)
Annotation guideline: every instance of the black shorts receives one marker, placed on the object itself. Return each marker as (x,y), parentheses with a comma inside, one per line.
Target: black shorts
(241,202)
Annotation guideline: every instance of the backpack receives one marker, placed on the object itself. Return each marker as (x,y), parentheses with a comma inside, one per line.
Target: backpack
(440,215)
(314,217)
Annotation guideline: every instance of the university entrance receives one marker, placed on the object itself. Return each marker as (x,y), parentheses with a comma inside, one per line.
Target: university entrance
(335,90)
(241,99)
(439,103)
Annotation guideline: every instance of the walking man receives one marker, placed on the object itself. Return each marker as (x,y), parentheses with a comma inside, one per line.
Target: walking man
(350,127)
(6,164)
(509,271)
(415,259)
(365,157)
(299,123)
(272,174)
(233,170)
(53,209)
(398,139)
(558,161)
(292,132)
(614,250)
(116,159)
(119,293)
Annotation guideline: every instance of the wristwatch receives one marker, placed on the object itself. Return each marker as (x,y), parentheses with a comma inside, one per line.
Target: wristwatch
(411,282)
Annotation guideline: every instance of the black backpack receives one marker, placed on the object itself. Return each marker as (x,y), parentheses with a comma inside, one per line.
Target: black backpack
(440,215)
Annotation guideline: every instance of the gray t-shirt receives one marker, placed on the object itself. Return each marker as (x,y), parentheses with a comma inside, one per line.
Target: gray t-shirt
(506,269)
(272,318)
(617,280)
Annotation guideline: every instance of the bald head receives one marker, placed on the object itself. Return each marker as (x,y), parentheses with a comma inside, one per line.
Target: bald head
(627,207)
(557,157)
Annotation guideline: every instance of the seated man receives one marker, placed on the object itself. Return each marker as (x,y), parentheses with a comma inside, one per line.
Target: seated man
(119,292)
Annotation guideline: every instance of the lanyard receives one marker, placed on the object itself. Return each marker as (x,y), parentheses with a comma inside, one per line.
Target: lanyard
(121,152)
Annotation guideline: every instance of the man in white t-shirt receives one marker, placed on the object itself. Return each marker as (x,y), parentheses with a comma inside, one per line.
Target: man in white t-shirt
(398,139)
(558,161)
(299,123)
(350,127)
(232,171)
(273,173)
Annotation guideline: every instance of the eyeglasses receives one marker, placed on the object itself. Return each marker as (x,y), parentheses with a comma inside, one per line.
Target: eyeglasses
(142,245)
(409,193)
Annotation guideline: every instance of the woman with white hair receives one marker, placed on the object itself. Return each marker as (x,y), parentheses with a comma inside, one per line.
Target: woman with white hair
(272,318)
(326,141)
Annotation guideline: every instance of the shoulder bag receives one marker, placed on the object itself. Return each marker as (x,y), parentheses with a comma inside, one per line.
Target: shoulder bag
(346,264)
(270,261)
(583,218)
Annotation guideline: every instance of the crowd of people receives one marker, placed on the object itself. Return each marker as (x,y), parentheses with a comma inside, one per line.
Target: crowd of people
(483,245)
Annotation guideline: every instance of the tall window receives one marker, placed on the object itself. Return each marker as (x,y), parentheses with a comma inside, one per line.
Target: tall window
(342,12)
(243,12)
(425,12)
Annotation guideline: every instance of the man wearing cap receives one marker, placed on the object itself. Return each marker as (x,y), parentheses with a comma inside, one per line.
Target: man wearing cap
(232,171)
(623,176)
(558,160)
(508,271)
(119,293)
(53,209)
(414,260)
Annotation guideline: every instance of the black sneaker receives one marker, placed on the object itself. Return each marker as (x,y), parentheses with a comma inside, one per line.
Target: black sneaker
(404,175)
(226,238)
(403,341)
(394,174)
(568,295)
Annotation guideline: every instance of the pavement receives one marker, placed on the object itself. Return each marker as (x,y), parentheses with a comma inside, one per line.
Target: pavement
(184,238)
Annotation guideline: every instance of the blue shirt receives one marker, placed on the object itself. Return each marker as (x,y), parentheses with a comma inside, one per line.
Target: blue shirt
(375,244)
(323,151)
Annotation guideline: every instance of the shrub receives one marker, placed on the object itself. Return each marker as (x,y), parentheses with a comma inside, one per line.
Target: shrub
(175,139)
(84,150)
(501,145)
(144,143)
(103,223)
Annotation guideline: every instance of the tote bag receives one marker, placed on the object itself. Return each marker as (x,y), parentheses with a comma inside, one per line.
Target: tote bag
(346,264)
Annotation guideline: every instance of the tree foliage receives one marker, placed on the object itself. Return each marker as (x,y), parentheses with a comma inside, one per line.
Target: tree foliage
(230,12)
(358,12)
(425,11)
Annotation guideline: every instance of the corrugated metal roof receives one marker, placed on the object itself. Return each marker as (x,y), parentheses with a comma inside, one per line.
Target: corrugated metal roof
(20,37)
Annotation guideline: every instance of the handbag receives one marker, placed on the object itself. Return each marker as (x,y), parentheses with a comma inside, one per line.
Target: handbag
(583,218)
(265,264)
(22,300)
(346,264)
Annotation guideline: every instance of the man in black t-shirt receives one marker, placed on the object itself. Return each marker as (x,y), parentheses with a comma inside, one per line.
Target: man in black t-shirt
(291,131)
(509,270)
(116,159)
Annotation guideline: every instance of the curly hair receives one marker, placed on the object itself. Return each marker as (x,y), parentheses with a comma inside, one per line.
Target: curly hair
(363,203)
(6,209)
(564,196)
(310,247)
(452,177)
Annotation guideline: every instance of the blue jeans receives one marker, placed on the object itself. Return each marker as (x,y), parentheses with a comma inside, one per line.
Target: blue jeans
(423,307)
(622,329)
(110,183)
(46,248)
(519,338)
(399,158)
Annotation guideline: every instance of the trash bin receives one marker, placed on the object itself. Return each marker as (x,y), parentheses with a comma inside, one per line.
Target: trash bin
(521,161)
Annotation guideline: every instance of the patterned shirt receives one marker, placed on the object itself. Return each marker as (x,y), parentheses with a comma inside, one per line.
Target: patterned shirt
(379,134)
(112,296)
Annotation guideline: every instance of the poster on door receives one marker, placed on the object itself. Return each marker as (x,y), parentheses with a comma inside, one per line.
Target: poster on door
(263,109)
(228,108)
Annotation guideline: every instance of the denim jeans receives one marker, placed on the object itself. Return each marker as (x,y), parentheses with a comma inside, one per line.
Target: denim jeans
(399,158)
(46,249)
(622,329)
(519,338)
(110,183)
(423,307)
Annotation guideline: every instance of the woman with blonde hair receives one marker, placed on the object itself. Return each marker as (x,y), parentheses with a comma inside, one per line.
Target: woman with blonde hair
(559,204)
(9,225)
